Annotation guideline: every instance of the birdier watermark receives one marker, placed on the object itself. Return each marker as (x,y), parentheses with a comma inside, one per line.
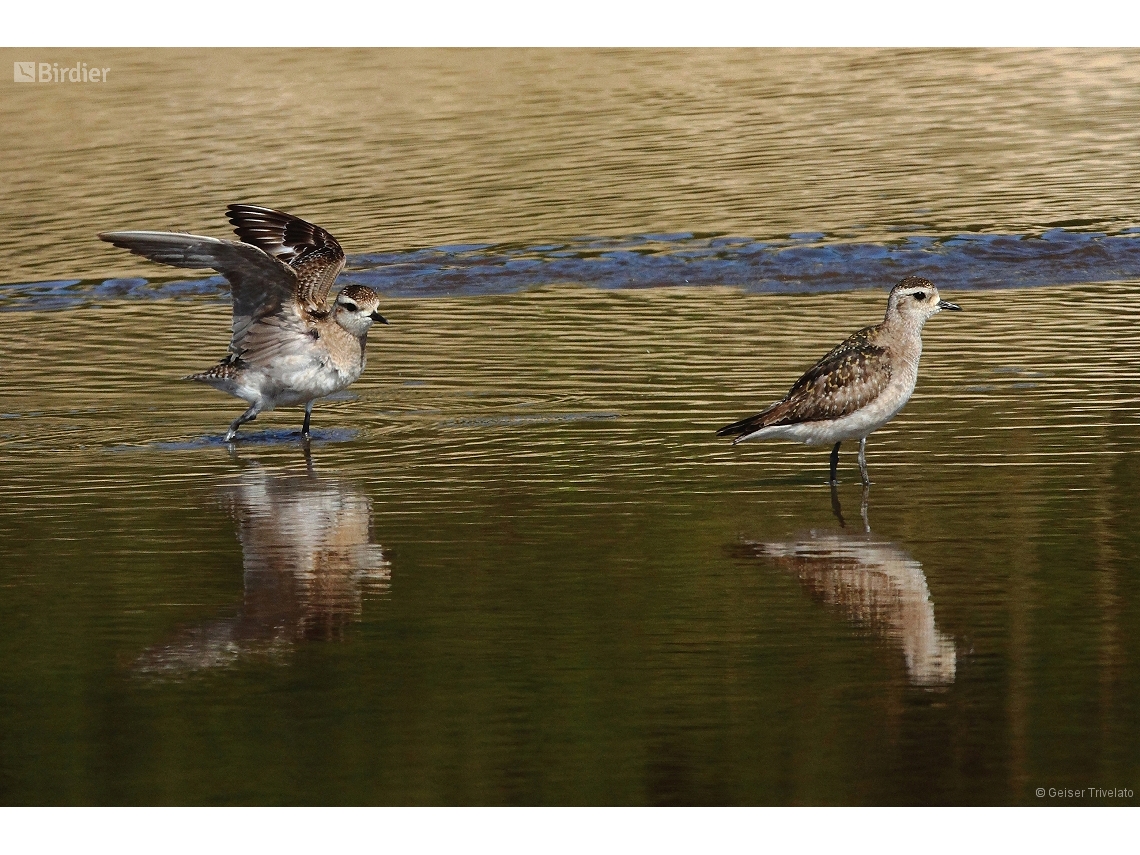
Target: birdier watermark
(53,72)
(1084,793)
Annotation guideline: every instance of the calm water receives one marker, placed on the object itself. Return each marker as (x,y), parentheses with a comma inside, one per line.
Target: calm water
(517,567)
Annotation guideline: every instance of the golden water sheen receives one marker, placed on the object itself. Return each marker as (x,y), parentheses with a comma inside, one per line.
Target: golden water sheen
(572,604)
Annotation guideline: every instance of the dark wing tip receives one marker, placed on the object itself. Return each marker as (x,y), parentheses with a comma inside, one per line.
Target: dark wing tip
(773,415)
(240,214)
(240,207)
(115,238)
(736,428)
(278,233)
(130,241)
(123,240)
(258,219)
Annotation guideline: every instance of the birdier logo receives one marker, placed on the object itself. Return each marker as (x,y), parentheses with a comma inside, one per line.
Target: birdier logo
(53,72)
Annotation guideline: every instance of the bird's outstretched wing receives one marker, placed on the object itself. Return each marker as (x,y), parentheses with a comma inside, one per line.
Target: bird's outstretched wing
(308,249)
(262,286)
(847,379)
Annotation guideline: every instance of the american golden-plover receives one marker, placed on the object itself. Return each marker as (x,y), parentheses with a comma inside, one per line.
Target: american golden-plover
(290,345)
(859,386)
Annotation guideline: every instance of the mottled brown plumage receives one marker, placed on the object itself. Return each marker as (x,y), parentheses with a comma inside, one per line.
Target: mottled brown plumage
(858,386)
(312,252)
(289,343)
(845,380)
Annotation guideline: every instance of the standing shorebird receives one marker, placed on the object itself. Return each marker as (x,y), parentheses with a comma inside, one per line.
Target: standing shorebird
(290,346)
(859,386)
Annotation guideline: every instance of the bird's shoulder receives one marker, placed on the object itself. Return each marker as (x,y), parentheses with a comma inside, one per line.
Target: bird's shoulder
(861,354)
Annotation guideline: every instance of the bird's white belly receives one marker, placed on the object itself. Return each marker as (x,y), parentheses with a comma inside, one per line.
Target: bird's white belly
(856,425)
(298,379)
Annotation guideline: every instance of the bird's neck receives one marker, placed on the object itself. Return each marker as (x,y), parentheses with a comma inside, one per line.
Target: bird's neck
(360,335)
(898,325)
(903,336)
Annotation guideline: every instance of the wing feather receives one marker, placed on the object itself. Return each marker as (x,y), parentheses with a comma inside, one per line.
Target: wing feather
(310,250)
(261,286)
(275,337)
(847,379)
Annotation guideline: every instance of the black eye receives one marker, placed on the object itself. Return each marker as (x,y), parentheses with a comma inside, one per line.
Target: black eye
(920,295)
(352,307)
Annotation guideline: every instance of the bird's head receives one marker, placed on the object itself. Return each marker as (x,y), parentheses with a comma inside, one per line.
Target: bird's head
(915,299)
(356,309)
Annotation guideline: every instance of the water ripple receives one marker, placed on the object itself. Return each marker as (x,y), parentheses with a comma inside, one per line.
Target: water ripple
(803,263)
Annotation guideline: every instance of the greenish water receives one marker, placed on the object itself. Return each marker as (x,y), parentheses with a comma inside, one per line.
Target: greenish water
(529,573)
(517,566)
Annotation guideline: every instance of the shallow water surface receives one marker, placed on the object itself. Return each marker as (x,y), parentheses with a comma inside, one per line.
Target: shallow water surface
(519,568)
(516,565)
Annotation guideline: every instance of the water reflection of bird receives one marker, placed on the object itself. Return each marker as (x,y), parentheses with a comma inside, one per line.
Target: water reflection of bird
(307,557)
(859,386)
(874,583)
(290,345)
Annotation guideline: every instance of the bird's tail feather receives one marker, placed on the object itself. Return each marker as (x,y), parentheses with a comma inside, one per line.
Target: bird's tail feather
(744,428)
(223,372)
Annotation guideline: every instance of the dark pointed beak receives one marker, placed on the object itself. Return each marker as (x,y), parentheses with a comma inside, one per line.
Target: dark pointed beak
(953,307)
(378,318)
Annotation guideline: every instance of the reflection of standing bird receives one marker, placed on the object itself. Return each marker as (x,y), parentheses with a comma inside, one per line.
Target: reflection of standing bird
(307,552)
(308,559)
(857,387)
(290,345)
(877,584)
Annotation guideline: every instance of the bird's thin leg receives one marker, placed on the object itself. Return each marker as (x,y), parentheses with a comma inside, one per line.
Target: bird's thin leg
(835,506)
(863,462)
(863,509)
(308,414)
(248,416)
(835,463)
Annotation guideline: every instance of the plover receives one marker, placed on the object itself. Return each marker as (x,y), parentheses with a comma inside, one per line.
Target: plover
(290,345)
(857,387)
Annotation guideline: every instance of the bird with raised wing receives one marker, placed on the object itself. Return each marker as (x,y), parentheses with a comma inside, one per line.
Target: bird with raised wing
(859,386)
(290,343)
